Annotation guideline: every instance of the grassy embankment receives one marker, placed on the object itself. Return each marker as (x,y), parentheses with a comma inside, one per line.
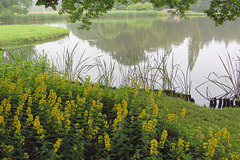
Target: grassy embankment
(35,16)
(45,116)
(28,34)
(148,13)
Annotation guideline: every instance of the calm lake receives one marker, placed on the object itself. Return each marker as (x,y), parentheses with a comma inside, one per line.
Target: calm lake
(196,43)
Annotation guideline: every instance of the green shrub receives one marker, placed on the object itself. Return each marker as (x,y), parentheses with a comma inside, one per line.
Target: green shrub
(140,6)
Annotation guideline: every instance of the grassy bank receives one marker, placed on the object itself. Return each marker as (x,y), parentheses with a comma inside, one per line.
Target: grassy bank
(43,115)
(147,13)
(36,16)
(27,34)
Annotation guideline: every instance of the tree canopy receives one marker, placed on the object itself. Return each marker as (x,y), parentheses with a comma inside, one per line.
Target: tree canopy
(11,7)
(85,10)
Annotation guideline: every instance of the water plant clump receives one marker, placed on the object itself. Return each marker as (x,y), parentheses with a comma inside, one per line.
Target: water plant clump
(228,85)
(43,115)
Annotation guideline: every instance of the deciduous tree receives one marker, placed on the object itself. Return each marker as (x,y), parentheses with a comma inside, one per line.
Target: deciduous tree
(11,7)
(85,10)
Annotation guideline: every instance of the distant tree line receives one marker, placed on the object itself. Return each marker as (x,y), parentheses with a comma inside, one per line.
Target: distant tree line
(199,6)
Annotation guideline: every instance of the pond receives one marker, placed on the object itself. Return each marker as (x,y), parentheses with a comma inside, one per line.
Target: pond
(195,46)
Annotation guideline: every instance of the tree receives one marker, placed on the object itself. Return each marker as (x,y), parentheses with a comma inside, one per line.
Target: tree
(11,7)
(85,10)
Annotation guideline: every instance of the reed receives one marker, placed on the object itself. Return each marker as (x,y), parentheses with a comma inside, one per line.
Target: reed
(228,83)
(37,16)
(70,68)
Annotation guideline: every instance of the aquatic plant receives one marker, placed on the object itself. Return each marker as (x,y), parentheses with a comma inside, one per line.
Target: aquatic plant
(228,83)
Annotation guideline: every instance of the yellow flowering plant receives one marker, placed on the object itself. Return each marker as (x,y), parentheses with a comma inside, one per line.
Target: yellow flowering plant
(44,115)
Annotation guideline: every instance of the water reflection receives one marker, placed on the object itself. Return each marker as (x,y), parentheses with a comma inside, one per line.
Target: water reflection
(123,38)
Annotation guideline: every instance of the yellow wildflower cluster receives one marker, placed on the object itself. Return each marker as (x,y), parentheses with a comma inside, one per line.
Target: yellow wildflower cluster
(155,110)
(17,125)
(159,92)
(147,88)
(163,137)
(180,144)
(56,146)
(107,142)
(154,145)
(211,145)
(122,112)
(7,148)
(171,117)
(149,125)
(183,113)
(133,82)
(37,125)
(143,114)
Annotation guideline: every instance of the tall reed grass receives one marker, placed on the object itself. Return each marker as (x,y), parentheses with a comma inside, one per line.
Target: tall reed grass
(158,71)
(37,16)
(229,83)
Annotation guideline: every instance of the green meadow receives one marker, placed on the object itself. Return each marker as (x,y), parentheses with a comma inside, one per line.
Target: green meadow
(27,34)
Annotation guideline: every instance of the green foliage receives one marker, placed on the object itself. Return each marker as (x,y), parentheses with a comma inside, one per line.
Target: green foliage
(221,11)
(45,116)
(140,6)
(83,11)
(86,10)
(9,8)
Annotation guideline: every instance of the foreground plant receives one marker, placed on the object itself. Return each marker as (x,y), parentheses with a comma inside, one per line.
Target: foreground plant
(46,116)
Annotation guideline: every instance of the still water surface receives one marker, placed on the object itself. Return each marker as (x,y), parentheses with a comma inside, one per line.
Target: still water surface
(196,42)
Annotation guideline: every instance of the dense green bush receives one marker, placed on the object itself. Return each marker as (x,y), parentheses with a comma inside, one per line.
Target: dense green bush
(140,6)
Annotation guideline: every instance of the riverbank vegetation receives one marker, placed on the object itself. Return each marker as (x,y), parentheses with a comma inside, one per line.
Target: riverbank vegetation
(45,115)
(37,16)
(27,34)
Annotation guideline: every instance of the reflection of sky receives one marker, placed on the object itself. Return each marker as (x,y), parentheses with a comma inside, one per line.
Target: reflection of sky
(207,60)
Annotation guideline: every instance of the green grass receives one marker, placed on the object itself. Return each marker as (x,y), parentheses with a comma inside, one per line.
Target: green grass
(137,13)
(38,16)
(148,13)
(27,34)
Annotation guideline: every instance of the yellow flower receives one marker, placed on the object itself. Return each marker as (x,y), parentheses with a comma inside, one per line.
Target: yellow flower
(234,157)
(2,120)
(155,110)
(37,125)
(17,125)
(74,147)
(143,114)
(140,84)
(70,94)
(154,145)
(133,81)
(159,92)
(180,143)
(147,89)
(183,113)
(26,155)
(163,137)
(56,146)
(107,142)
(210,132)
(171,117)
(100,139)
